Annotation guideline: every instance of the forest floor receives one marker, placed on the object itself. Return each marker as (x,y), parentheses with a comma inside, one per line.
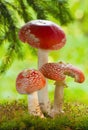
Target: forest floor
(14,116)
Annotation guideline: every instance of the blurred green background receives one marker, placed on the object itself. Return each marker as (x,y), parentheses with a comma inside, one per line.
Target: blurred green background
(75,52)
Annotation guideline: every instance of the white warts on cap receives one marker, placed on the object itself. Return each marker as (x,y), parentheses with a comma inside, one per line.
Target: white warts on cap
(60,44)
(24,83)
(31,37)
(25,73)
(63,40)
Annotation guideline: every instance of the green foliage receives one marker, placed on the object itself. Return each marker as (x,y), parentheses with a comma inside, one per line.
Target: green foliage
(8,34)
(15,13)
(61,11)
(14,116)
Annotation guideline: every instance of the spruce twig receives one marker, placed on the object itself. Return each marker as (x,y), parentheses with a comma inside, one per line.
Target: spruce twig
(9,23)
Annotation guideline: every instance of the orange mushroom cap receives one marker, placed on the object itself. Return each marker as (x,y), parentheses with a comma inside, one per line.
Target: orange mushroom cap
(29,81)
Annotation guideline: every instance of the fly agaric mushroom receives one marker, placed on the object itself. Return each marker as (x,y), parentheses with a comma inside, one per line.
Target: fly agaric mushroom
(44,35)
(58,72)
(27,82)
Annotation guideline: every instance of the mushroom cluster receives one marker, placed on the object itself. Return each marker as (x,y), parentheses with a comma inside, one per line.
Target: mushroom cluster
(45,36)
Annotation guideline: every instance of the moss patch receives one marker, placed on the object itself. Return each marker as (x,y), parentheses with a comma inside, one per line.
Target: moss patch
(14,116)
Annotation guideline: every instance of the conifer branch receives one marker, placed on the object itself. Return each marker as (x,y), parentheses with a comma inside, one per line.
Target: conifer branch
(27,16)
(9,30)
(8,23)
(41,12)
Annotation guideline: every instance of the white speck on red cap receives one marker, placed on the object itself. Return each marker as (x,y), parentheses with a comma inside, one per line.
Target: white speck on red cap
(29,81)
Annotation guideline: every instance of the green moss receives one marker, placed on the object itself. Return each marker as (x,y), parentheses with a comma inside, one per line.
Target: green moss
(14,116)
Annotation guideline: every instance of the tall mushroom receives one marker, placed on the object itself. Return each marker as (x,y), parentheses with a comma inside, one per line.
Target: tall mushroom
(28,82)
(58,72)
(44,35)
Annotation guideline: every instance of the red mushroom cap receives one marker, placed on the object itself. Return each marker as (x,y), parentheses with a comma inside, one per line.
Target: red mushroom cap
(58,71)
(74,72)
(53,71)
(29,81)
(43,34)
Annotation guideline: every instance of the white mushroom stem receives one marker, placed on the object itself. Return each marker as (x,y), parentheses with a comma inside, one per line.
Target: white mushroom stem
(58,99)
(33,105)
(43,93)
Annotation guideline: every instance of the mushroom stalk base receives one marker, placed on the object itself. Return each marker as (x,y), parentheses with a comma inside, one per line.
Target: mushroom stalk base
(58,99)
(43,93)
(33,105)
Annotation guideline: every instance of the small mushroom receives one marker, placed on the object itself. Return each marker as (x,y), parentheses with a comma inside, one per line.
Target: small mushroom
(44,35)
(27,82)
(58,72)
